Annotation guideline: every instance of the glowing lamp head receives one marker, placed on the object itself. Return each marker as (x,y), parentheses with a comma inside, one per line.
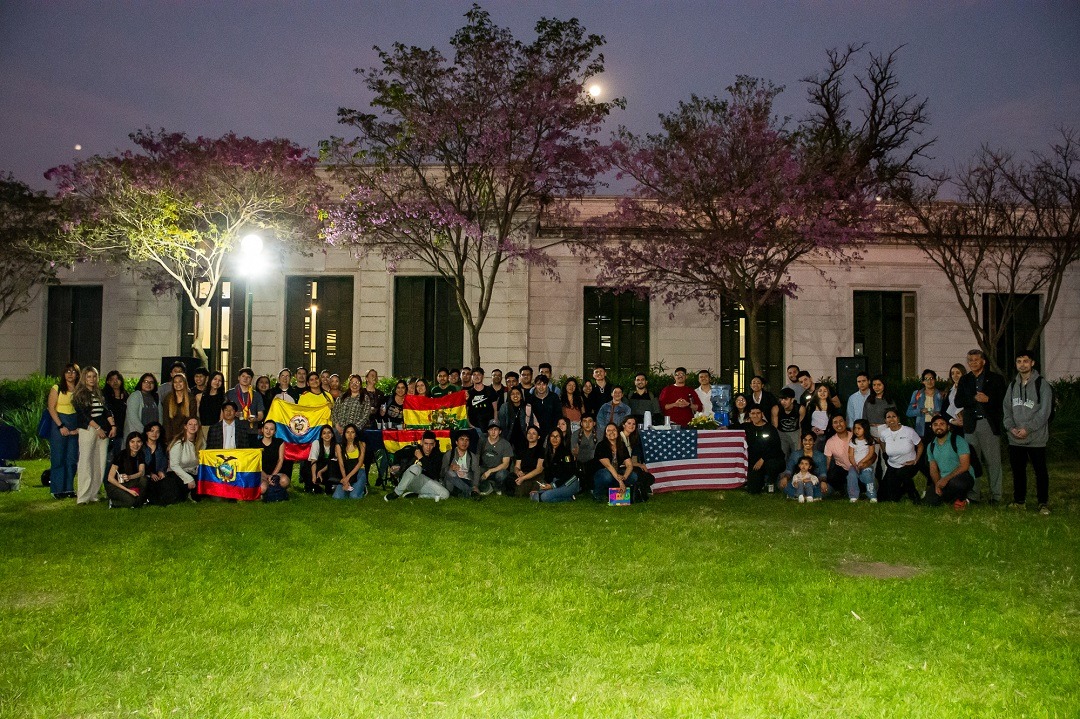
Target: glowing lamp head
(251,244)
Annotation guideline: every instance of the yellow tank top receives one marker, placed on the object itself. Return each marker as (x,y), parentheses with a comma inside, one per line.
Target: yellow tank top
(63,401)
(353,453)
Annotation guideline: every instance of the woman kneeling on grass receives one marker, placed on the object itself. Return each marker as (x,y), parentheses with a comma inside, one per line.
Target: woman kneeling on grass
(322,470)
(180,481)
(528,467)
(127,475)
(560,472)
(274,483)
(350,459)
(903,449)
(616,466)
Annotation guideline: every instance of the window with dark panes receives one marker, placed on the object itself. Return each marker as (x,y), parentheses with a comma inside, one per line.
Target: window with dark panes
(886,333)
(616,331)
(223,338)
(429,331)
(73,332)
(1018,330)
(319,323)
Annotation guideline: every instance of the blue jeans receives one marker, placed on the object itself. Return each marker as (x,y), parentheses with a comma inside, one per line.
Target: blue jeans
(603,481)
(562,494)
(63,456)
(495,481)
(357,492)
(866,476)
(793,493)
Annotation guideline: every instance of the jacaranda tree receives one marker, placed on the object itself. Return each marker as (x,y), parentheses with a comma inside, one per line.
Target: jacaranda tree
(176,209)
(462,156)
(725,200)
(30,248)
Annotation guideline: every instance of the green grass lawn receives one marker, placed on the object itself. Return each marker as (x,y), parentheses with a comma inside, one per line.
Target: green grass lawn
(693,605)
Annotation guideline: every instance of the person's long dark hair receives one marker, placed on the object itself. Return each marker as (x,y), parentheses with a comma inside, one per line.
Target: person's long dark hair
(552,454)
(872,399)
(575,399)
(123,390)
(63,385)
(333,442)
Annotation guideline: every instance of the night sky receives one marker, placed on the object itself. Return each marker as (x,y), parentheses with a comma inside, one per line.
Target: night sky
(88,73)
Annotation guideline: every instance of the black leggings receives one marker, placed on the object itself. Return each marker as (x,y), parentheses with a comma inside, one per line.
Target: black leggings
(898,483)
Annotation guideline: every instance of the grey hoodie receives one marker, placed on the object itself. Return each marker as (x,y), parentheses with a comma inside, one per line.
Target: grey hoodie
(1025,408)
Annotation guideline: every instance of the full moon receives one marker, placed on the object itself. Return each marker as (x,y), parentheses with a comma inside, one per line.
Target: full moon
(595,90)
(78,147)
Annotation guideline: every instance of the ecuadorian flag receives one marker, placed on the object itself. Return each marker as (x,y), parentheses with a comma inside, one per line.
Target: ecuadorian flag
(418,410)
(298,426)
(230,473)
(395,439)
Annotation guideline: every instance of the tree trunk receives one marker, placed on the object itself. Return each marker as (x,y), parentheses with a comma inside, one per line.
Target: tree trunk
(474,349)
(202,315)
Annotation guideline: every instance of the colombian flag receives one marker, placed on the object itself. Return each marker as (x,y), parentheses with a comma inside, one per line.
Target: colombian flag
(395,439)
(230,473)
(418,410)
(298,426)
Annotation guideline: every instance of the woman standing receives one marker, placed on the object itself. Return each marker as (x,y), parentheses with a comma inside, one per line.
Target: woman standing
(877,404)
(265,390)
(210,403)
(818,418)
(740,414)
(315,396)
(63,436)
(353,407)
(350,456)
(515,417)
(949,408)
(178,408)
(116,398)
(126,486)
(371,386)
(561,482)
(573,403)
(96,428)
(393,410)
(143,406)
(421,387)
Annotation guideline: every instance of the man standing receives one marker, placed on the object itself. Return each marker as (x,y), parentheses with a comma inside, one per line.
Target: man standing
(544,368)
(420,477)
(442,384)
(641,401)
(497,384)
(249,403)
(601,391)
(495,456)
(1028,403)
(765,460)
(857,399)
(980,394)
(614,411)
(950,466)
(787,418)
(793,379)
(583,444)
(546,407)
(483,403)
(678,401)
(704,392)
(806,389)
(526,383)
(460,468)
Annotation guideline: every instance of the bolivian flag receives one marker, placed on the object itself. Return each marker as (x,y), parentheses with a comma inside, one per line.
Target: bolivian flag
(419,410)
(395,439)
(298,426)
(230,473)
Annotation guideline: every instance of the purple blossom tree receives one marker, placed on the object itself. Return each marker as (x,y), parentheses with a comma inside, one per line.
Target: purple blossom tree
(462,158)
(177,208)
(29,245)
(725,201)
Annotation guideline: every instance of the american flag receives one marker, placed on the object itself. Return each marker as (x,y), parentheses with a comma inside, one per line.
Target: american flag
(695,459)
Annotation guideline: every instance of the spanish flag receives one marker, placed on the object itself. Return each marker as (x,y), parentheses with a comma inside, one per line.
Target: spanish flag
(298,426)
(395,439)
(230,473)
(419,410)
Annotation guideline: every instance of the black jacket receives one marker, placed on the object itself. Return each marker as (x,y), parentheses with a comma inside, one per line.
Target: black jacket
(215,437)
(992,410)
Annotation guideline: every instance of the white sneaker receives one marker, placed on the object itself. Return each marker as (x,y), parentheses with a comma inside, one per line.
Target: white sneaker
(873,500)
(854,500)
(810,498)
(802,499)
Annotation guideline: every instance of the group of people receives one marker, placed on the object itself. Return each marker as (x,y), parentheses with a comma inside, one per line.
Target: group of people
(808,445)
(532,439)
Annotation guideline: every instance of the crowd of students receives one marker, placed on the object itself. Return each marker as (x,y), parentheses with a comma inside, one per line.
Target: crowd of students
(551,444)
